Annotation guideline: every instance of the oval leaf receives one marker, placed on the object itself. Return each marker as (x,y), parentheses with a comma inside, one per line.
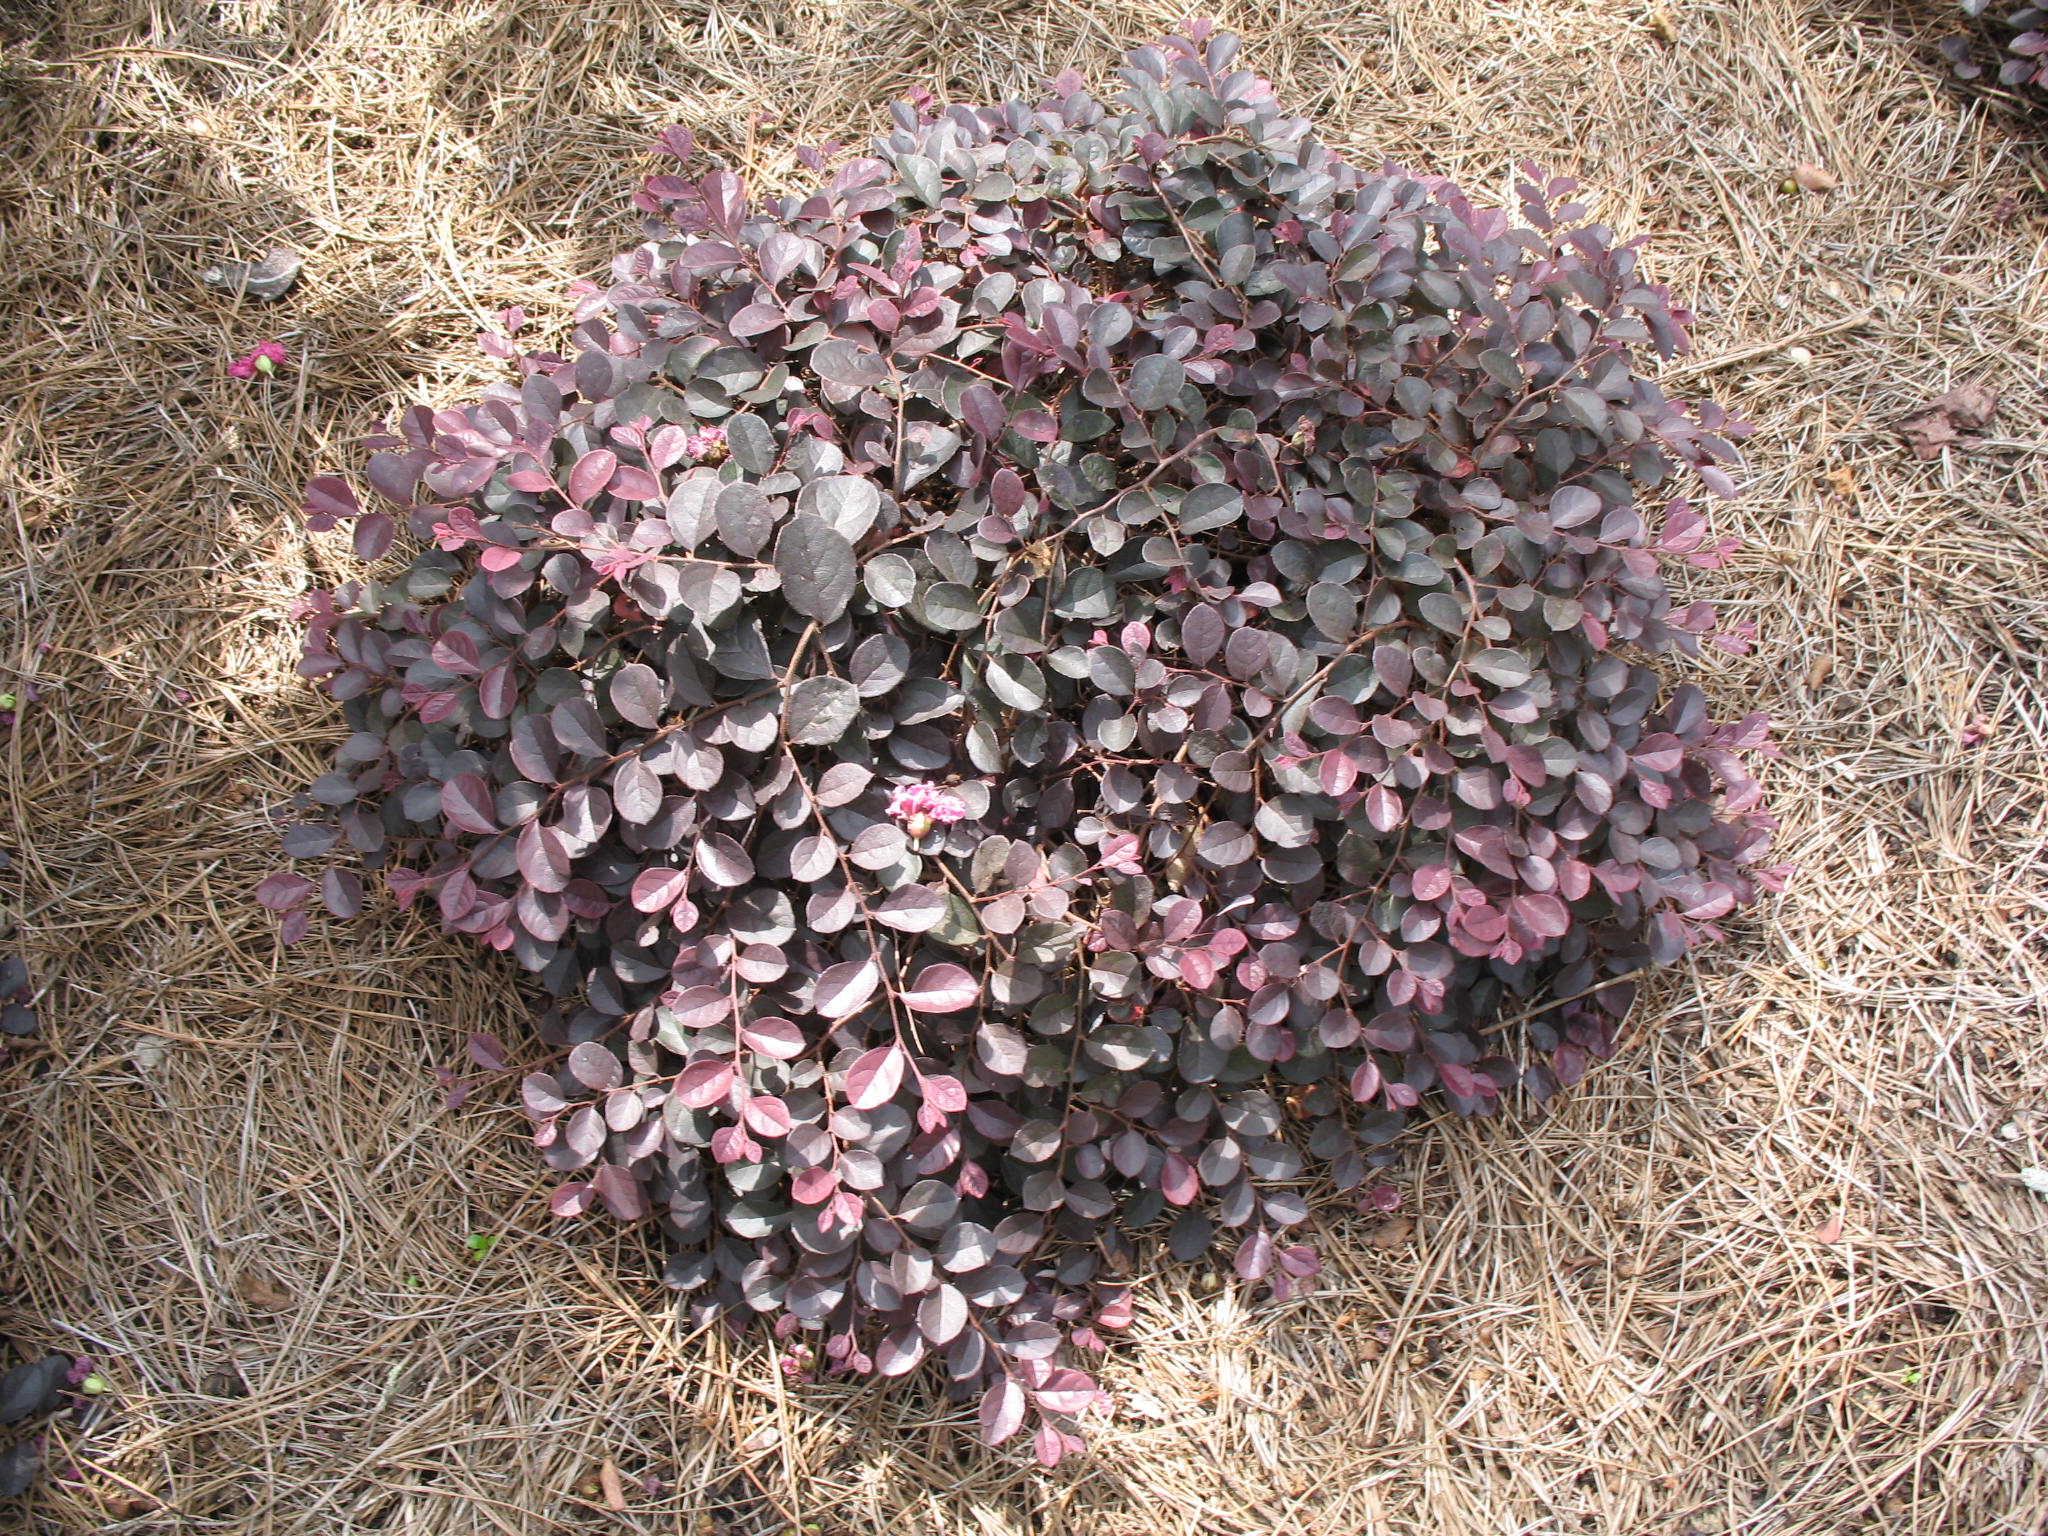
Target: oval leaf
(815,562)
(874,1078)
(942,989)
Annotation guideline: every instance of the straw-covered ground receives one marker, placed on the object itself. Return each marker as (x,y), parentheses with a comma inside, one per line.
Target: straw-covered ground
(1772,1270)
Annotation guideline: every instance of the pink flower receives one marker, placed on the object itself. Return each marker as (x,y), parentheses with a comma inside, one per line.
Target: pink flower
(707,446)
(918,806)
(266,358)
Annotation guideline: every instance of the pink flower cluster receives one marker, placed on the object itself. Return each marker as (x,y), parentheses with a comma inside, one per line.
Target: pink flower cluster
(706,446)
(927,802)
(266,358)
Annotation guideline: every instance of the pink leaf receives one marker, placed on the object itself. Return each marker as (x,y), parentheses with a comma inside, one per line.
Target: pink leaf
(656,890)
(875,1077)
(1002,1411)
(942,989)
(814,1186)
(593,472)
(767,1115)
(704,1083)
(1117,1312)
(1047,1446)
(630,484)
(571,1200)
(1365,1082)
(943,1093)
(1066,1391)
(844,989)
(1432,881)
(774,1037)
(731,1143)
(1382,808)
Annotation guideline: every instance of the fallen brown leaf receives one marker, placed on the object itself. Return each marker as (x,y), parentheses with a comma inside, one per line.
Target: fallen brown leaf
(260,1290)
(1662,26)
(1392,1234)
(1842,481)
(1829,1231)
(1814,178)
(224,1380)
(1817,673)
(1943,420)
(614,1490)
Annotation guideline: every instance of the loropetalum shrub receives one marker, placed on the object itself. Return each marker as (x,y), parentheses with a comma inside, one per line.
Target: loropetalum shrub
(2028,64)
(1011,696)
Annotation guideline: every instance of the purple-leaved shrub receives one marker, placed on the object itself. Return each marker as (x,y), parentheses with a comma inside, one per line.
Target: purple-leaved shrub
(1012,696)
(2028,61)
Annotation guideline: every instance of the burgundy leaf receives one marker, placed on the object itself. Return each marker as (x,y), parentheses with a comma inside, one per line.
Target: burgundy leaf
(595,1067)
(466,803)
(283,891)
(497,691)
(637,694)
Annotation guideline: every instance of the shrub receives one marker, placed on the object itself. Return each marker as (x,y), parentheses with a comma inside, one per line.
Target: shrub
(2029,62)
(1004,696)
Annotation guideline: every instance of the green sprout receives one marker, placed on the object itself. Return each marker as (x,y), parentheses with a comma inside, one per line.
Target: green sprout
(480,1245)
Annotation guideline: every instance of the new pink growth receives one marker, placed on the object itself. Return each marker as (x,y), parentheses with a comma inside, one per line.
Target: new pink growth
(265,358)
(615,564)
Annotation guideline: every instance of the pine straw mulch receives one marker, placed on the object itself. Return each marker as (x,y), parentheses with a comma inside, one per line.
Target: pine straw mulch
(224,1167)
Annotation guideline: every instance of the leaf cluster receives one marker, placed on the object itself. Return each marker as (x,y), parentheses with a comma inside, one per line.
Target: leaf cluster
(2027,63)
(1258,559)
